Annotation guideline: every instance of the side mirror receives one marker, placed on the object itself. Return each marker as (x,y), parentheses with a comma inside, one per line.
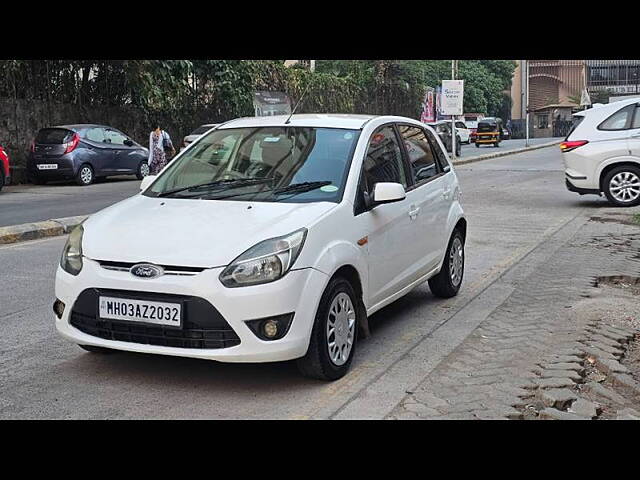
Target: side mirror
(146,181)
(128,142)
(388,192)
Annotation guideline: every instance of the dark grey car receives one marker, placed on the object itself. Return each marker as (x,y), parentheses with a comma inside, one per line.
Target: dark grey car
(83,153)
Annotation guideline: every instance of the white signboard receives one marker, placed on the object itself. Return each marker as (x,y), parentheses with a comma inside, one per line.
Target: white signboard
(585,100)
(452,95)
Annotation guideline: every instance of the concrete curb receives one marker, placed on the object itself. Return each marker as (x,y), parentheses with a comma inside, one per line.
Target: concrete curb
(505,153)
(33,231)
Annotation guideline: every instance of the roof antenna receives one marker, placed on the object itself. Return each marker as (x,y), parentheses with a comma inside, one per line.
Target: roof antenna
(288,120)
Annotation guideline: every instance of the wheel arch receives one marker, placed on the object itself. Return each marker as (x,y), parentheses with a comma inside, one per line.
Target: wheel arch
(607,168)
(350,273)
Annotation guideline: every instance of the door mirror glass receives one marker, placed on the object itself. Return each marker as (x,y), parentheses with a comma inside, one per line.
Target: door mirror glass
(388,192)
(146,181)
(128,142)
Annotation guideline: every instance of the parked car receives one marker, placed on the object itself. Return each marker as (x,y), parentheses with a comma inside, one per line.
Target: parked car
(463,131)
(443,129)
(602,153)
(290,234)
(5,173)
(196,133)
(83,153)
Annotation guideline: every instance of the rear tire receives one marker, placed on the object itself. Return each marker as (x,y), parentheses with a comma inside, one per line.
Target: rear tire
(446,284)
(143,170)
(326,359)
(477,145)
(85,175)
(621,186)
(94,349)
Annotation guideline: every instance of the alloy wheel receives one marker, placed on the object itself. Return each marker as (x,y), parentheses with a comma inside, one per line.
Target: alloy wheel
(341,322)
(144,169)
(625,187)
(456,261)
(86,175)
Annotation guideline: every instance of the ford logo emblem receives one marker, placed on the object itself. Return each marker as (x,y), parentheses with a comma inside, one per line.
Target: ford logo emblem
(146,270)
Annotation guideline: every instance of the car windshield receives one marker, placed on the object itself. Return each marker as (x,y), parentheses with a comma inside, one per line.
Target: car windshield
(266,164)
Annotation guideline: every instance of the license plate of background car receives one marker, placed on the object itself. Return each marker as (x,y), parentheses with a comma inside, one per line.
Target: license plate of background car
(47,166)
(144,311)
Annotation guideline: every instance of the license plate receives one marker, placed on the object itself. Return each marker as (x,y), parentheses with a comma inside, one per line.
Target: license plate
(160,313)
(47,166)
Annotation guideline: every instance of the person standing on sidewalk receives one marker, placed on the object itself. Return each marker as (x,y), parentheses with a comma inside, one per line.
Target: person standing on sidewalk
(160,149)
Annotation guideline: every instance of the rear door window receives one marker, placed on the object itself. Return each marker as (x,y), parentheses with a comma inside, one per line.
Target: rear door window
(94,134)
(636,118)
(54,136)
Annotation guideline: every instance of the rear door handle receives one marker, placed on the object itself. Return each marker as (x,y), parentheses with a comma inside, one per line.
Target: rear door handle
(446,193)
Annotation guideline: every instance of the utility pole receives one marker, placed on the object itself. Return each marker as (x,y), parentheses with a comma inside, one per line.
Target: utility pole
(526,96)
(453,119)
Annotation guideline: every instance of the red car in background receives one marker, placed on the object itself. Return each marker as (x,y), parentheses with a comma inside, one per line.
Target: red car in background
(5,175)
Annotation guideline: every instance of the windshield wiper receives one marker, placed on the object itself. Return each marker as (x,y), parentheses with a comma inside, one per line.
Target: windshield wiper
(295,188)
(231,183)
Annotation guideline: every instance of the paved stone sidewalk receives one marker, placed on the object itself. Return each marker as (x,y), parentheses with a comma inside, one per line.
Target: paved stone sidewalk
(531,346)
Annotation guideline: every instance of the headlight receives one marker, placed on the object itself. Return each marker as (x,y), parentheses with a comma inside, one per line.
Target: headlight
(71,261)
(265,262)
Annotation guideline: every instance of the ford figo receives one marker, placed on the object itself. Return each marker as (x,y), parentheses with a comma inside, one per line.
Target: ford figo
(268,239)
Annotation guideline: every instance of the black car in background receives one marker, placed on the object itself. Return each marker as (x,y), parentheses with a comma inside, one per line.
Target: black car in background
(443,129)
(83,153)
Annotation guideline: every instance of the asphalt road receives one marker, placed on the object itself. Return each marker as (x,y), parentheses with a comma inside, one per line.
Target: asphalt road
(31,203)
(513,203)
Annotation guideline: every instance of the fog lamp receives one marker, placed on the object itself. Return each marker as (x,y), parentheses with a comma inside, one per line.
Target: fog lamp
(270,328)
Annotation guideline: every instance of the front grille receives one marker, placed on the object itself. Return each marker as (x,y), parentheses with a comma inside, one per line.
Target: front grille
(203,325)
(168,269)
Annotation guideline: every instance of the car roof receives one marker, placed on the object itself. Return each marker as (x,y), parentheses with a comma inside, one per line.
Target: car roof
(327,120)
(78,126)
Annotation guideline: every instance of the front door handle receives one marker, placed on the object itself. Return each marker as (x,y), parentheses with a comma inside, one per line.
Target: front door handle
(414,213)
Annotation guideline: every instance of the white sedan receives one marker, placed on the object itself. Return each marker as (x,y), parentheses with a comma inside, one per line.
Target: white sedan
(268,239)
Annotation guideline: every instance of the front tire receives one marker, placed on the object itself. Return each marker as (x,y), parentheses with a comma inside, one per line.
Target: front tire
(335,330)
(446,284)
(621,186)
(94,349)
(1,180)
(85,175)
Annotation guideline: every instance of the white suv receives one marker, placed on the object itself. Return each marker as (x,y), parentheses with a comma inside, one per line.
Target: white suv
(602,153)
(268,239)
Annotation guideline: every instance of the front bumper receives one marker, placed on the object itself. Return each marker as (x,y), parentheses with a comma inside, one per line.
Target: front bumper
(299,291)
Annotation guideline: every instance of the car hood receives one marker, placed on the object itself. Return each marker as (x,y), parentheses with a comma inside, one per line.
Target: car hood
(190,233)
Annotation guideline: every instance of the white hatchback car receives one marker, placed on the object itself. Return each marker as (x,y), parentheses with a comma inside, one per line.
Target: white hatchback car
(268,239)
(602,153)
